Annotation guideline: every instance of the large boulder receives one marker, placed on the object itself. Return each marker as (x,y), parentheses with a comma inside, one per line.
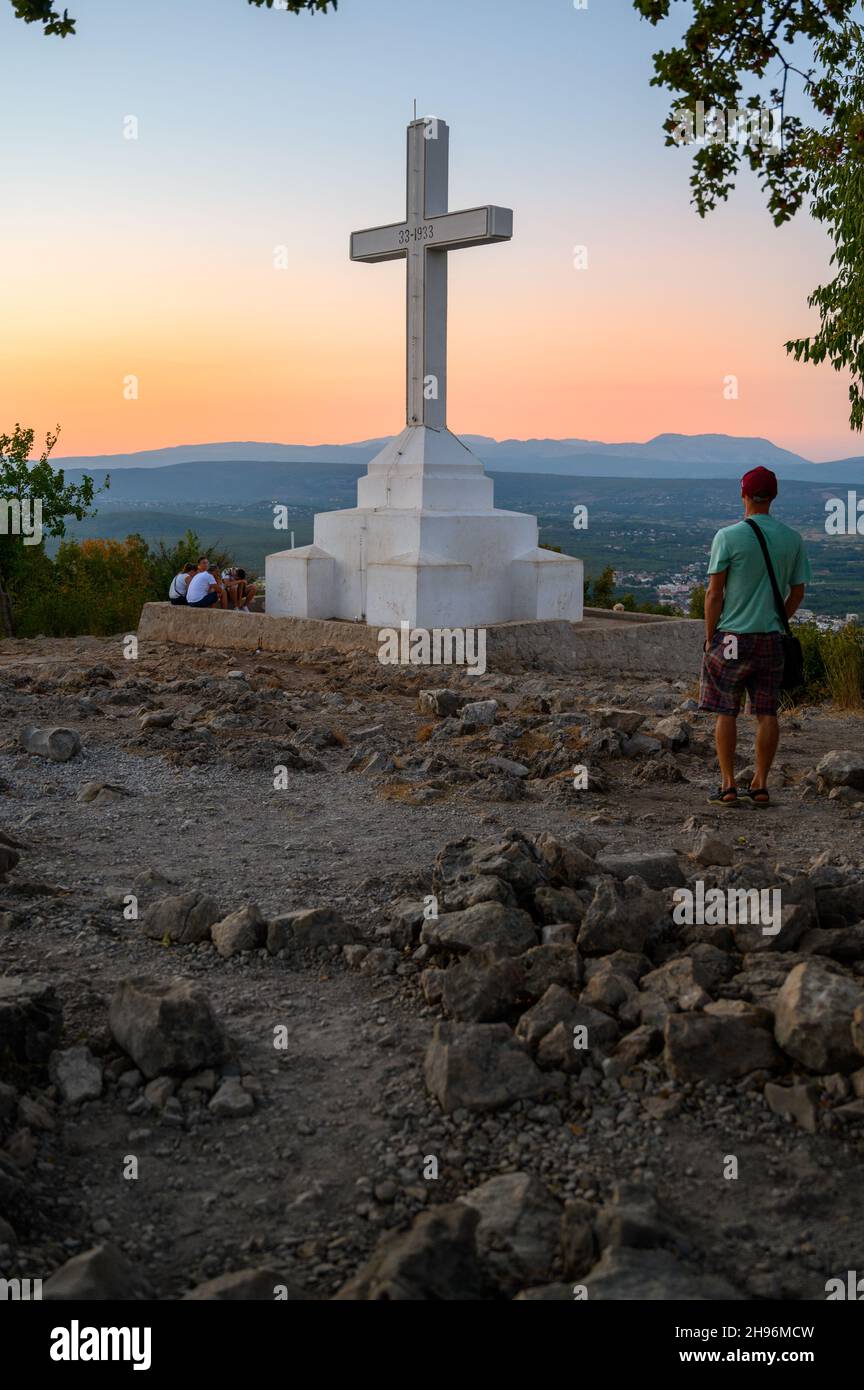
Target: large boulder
(551,964)
(77,1075)
(798,1102)
(762,977)
(478,714)
(436,1260)
(682,982)
(566,864)
(486,924)
(480,1066)
(166,1026)
(776,935)
(608,989)
(840,905)
(512,858)
(244,930)
(519,1233)
(482,988)
(659,868)
(631,1275)
(673,732)
(813,1018)
(558,1006)
(626,721)
(484,889)
(57,744)
(617,921)
(309,928)
(712,849)
(840,943)
(184,918)
(560,905)
(151,884)
(633,1218)
(708,1047)
(102,1274)
(443,702)
(842,769)
(30,1020)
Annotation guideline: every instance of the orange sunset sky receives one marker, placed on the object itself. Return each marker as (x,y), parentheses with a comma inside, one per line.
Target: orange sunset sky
(154,257)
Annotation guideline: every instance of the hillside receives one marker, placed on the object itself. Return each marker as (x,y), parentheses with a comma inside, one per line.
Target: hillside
(341,1081)
(664,456)
(653,527)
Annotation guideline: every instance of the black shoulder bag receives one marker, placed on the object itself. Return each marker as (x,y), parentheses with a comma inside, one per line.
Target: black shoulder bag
(793,656)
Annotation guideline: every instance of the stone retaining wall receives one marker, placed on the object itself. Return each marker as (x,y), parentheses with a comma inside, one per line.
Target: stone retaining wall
(670,646)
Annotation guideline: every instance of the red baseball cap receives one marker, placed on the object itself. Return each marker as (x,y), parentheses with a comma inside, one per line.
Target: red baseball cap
(759,482)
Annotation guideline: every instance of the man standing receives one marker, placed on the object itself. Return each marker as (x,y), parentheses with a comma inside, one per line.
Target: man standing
(743,649)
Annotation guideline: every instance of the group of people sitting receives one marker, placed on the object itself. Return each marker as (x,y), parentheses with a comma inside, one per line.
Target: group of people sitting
(204,585)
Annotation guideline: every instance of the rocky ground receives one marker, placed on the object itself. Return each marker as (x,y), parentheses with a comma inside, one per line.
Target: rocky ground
(316,984)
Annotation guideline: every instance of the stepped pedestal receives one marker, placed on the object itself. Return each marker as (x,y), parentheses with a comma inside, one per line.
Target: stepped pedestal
(425,545)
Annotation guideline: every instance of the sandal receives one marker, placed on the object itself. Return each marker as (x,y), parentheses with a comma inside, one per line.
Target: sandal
(758,796)
(724,796)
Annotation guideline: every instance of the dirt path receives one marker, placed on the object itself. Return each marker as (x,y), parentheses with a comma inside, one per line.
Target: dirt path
(342,1109)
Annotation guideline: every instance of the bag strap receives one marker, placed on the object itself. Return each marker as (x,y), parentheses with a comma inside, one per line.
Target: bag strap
(778,598)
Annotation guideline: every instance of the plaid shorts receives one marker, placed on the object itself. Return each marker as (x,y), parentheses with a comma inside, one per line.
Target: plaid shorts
(733,663)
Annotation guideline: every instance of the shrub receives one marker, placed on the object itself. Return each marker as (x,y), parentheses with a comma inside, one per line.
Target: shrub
(97,586)
(833,665)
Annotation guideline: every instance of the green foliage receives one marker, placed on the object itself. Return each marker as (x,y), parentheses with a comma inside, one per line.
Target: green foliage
(20,478)
(833,665)
(43,12)
(696,608)
(165,561)
(601,594)
(22,566)
(100,586)
(602,589)
(837,186)
(729,43)
(53,22)
(93,587)
(297,6)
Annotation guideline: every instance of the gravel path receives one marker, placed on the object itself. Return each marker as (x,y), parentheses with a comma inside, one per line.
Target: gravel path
(334,1151)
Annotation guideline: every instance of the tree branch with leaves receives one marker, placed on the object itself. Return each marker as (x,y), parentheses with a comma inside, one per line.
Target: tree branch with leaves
(731,45)
(58,22)
(24,481)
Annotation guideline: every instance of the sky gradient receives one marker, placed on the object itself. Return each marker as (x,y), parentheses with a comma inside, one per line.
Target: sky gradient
(257,129)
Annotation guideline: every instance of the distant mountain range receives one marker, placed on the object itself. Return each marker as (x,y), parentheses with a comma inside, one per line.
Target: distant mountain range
(665,456)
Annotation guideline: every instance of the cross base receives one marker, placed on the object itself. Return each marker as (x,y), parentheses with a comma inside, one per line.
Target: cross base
(405,554)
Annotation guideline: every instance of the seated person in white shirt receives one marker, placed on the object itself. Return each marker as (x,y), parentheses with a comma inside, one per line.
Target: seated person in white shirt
(205,587)
(177,591)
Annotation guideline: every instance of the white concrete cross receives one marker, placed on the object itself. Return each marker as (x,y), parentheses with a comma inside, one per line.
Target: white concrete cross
(423,239)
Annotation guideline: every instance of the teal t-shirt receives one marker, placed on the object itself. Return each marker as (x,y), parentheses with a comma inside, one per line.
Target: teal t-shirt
(748,603)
